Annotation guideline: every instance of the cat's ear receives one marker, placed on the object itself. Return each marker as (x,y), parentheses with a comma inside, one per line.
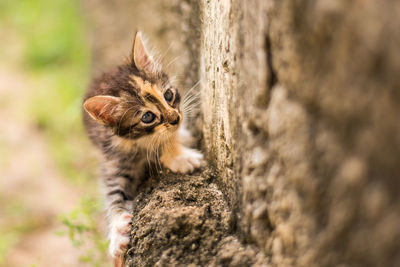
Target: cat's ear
(140,56)
(103,109)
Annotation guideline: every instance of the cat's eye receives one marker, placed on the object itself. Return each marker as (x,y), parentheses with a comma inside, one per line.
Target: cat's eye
(168,95)
(148,117)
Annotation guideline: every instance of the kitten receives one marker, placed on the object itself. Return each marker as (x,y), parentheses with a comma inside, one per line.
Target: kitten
(133,116)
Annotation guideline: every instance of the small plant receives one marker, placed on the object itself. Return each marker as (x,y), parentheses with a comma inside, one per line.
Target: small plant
(84,233)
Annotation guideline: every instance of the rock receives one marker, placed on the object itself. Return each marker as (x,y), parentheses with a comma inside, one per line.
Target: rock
(299,119)
(184,220)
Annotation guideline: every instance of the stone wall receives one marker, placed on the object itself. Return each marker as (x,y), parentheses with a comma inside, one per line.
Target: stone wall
(300,108)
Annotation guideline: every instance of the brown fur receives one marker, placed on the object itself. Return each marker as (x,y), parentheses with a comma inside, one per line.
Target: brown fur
(114,106)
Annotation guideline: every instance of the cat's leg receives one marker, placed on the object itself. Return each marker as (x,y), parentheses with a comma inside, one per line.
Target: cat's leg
(119,206)
(179,158)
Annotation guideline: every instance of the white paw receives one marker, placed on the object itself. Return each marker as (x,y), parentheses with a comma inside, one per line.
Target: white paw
(187,161)
(119,234)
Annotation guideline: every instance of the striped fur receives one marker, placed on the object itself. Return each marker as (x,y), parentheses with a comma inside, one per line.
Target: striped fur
(114,110)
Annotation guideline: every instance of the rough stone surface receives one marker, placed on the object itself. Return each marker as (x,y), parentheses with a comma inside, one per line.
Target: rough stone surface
(184,221)
(300,115)
(303,126)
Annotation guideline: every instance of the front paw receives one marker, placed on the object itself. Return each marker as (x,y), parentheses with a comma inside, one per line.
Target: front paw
(186,162)
(119,234)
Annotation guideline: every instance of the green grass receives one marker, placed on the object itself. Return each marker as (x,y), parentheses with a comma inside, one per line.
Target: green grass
(53,32)
(82,227)
(19,221)
(46,40)
(56,55)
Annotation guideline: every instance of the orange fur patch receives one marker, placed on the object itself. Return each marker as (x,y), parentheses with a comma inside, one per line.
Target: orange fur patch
(148,88)
(170,150)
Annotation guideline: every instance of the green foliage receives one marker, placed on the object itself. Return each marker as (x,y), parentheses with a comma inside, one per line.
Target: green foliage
(52,30)
(7,240)
(19,221)
(55,55)
(45,40)
(82,229)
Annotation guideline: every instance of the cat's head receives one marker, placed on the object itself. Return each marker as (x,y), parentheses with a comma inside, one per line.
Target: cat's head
(137,99)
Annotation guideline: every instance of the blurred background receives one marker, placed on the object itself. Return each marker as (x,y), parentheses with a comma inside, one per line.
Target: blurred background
(48,194)
(50,209)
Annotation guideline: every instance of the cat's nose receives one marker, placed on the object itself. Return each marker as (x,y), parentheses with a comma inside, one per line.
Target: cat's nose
(175,121)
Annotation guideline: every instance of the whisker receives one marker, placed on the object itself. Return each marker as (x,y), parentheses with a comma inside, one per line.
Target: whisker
(190,101)
(155,154)
(147,155)
(167,142)
(176,79)
(194,104)
(158,162)
(151,148)
(191,96)
(172,61)
(158,152)
(190,112)
(191,89)
(166,52)
(191,93)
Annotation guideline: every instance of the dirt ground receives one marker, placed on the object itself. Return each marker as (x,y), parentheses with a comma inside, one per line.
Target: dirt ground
(184,220)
